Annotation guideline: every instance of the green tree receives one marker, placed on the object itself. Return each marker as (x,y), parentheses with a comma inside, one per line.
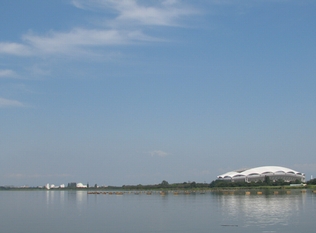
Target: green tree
(193,184)
(312,181)
(164,183)
(267,180)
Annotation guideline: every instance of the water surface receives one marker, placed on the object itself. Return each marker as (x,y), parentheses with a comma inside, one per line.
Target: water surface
(76,211)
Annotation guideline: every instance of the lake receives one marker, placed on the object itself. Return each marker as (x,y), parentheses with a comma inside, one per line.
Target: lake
(77,211)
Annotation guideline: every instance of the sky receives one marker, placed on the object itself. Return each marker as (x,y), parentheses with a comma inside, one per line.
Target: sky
(127,92)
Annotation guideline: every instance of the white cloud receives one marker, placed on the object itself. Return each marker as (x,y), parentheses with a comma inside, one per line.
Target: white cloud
(9,103)
(15,49)
(132,12)
(78,4)
(7,73)
(127,27)
(164,14)
(79,38)
(159,153)
(73,42)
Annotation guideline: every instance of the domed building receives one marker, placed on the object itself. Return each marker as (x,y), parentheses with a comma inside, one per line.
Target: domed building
(259,173)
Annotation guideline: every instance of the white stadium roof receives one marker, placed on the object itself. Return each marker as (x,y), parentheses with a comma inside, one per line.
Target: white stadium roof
(265,170)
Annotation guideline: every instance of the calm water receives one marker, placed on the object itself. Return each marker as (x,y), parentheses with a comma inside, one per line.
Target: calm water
(77,211)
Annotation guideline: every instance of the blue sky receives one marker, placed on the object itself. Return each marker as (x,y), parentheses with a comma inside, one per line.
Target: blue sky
(120,92)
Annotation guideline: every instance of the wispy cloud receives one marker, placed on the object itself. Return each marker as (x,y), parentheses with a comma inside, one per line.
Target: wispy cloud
(10,103)
(162,13)
(7,74)
(159,153)
(125,27)
(78,39)
(15,49)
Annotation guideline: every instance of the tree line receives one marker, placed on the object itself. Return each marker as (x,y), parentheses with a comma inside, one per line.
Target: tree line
(165,185)
(266,182)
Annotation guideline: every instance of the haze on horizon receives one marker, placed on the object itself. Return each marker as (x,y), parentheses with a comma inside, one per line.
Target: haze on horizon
(120,92)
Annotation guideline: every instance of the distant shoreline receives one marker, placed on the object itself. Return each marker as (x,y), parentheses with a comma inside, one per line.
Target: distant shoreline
(224,190)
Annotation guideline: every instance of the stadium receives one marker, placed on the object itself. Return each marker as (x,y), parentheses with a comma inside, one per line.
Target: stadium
(256,174)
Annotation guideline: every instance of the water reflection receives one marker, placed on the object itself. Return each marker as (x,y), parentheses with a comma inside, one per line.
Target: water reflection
(75,211)
(59,198)
(77,197)
(259,210)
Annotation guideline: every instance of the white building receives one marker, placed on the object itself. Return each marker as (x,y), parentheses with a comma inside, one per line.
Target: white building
(259,173)
(81,185)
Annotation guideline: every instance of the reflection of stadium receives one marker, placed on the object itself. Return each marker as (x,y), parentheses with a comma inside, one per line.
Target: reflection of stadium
(262,211)
(259,173)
